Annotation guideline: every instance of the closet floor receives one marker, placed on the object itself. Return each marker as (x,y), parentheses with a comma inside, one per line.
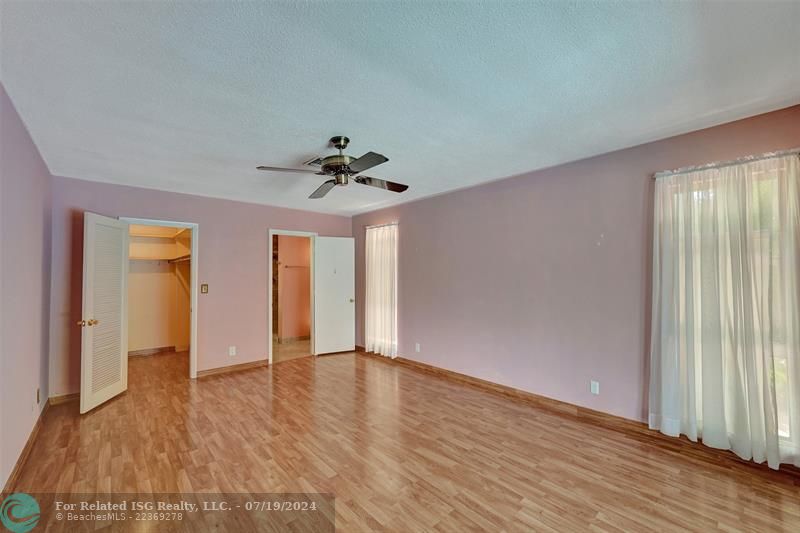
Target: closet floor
(290,350)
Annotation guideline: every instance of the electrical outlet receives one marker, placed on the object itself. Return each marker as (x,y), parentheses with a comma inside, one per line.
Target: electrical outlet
(417,347)
(595,387)
(231,351)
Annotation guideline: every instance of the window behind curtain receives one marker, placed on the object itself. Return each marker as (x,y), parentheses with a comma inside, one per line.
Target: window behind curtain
(381,290)
(725,348)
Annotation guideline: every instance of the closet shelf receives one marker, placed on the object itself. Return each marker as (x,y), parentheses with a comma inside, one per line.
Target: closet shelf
(181,259)
(178,259)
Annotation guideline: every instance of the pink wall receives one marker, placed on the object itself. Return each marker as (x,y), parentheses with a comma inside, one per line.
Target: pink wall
(233,258)
(294,286)
(542,281)
(24,284)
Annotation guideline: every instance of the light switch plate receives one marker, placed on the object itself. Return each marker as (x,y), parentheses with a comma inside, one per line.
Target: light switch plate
(595,387)
(231,350)
(204,288)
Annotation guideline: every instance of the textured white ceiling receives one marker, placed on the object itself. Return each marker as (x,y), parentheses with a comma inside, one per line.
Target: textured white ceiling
(192,96)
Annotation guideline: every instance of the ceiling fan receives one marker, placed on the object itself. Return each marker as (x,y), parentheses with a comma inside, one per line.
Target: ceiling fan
(342,167)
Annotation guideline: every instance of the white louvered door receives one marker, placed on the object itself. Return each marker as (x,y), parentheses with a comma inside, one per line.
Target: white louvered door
(104,324)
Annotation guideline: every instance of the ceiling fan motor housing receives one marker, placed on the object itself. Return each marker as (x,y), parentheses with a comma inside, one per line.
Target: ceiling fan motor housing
(333,165)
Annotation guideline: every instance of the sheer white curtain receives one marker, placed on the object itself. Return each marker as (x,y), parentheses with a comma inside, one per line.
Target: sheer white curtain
(381,299)
(725,352)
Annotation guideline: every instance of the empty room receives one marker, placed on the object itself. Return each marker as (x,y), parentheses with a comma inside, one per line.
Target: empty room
(400,266)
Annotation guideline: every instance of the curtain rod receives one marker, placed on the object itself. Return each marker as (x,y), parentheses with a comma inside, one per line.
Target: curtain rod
(722,164)
(381,225)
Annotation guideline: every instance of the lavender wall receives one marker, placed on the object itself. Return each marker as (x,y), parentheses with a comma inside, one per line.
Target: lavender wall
(24,284)
(541,282)
(233,258)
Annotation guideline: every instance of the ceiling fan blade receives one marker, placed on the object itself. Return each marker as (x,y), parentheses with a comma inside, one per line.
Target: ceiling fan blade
(381,184)
(368,160)
(323,189)
(279,169)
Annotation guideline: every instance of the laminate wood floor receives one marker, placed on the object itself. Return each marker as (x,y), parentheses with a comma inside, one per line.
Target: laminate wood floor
(402,450)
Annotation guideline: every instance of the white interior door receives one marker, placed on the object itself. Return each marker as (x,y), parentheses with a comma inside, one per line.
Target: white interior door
(104,321)
(334,295)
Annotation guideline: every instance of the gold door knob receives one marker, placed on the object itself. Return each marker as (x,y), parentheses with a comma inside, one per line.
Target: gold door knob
(81,323)
(92,322)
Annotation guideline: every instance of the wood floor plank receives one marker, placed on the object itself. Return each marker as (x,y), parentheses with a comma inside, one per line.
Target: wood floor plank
(401,449)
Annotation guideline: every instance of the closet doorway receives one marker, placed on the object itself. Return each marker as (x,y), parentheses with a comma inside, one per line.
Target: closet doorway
(291,295)
(162,291)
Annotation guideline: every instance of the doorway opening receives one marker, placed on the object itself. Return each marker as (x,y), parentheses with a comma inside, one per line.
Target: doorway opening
(274,285)
(159,295)
(162,291)
(291,297)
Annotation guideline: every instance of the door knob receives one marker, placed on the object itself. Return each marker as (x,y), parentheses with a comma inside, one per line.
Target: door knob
(92,322)
(81,323)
